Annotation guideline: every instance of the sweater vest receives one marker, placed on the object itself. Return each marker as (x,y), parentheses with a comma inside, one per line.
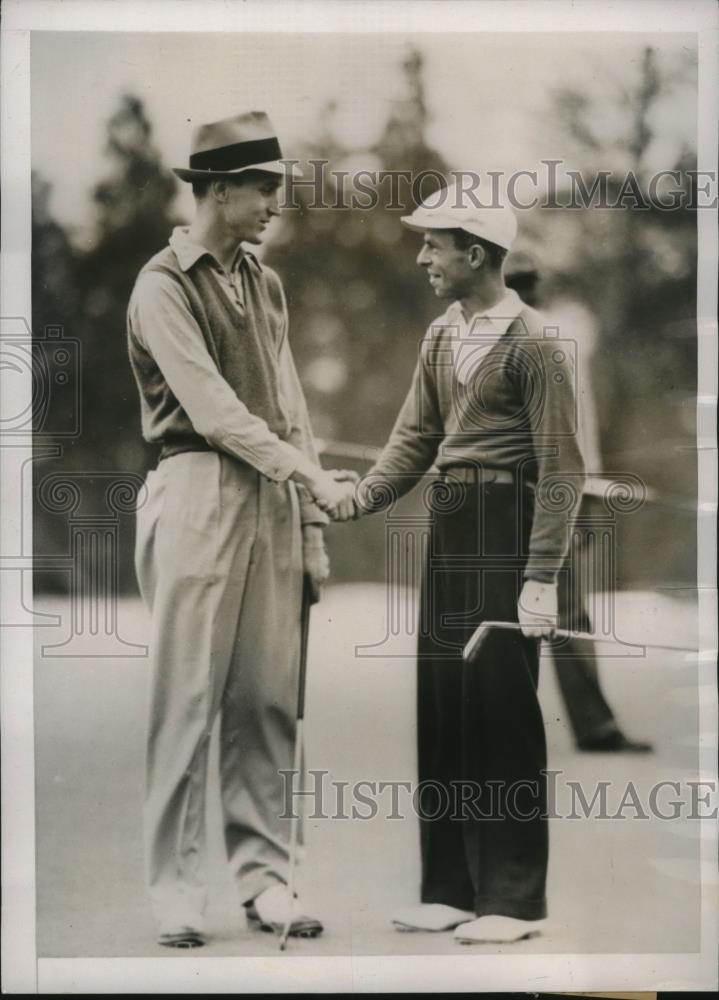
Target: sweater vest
(243,346)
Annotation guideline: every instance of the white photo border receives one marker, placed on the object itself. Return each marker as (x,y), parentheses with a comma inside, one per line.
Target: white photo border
(23,972)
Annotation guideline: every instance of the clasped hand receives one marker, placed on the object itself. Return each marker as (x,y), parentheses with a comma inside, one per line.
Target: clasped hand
(334,493)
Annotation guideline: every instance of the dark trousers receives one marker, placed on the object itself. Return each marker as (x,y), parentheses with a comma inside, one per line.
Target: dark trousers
(481,741)
(589,714)
(574,659)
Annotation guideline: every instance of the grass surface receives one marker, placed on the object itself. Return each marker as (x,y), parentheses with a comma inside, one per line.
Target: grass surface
(624,886)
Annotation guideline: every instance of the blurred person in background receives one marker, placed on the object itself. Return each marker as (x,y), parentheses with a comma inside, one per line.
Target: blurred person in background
(593,723)
(495,433)
(232,518)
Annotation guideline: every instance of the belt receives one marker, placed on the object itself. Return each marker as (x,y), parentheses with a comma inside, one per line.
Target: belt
(170,448)
(476,475)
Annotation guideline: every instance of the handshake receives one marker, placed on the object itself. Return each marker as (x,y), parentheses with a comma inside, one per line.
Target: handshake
(332,490)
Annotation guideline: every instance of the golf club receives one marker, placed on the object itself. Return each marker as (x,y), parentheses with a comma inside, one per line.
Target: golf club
(473,647)
(310,596)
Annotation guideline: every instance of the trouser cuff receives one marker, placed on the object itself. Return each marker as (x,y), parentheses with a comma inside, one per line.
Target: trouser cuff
(600,732)
(249,890)
(180,923)
(520,909)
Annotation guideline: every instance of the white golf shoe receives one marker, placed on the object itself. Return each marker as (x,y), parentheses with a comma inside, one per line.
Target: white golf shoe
(430,917)
(494,929)
(273,908)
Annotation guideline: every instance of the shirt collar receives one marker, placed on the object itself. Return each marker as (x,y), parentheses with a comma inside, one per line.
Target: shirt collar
(501,315)
(189,251)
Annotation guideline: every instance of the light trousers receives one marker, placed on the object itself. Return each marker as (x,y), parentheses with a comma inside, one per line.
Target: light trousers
(219,564)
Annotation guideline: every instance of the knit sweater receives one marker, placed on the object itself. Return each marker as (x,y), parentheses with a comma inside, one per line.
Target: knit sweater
(243,348)
(516,412)
(239,387)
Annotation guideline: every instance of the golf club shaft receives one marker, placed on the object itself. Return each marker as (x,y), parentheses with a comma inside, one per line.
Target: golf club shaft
(308,598)
(562,633)
(294,830)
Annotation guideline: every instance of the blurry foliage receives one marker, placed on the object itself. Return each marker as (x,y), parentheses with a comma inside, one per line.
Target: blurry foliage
(359,307)
(86,291)
(55,291)
(133,220)
(636,270)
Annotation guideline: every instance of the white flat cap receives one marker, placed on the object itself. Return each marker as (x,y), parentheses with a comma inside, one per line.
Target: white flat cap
(454,208)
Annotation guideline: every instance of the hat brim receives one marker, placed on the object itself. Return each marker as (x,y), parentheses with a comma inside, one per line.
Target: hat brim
(270,167)
(421,223)
(418,223)
(407,221)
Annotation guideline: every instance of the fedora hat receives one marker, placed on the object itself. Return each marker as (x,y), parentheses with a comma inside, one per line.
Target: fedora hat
(232,145)
(451,208)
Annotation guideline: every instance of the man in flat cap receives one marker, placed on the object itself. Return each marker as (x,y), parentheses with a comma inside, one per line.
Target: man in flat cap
(232,519)
(492,407)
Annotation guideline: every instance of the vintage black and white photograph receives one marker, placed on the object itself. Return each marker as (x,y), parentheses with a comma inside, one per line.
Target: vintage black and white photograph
(359,582)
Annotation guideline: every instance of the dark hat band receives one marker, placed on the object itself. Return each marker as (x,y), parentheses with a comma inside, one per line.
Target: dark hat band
(238,155)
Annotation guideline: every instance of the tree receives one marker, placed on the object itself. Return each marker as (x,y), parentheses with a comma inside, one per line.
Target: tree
(134,219)
(86,292)
(358,305)
(636,270)
(55,300)
(56,304)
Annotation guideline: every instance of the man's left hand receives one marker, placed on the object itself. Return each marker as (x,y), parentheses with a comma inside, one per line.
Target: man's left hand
(537,609)
(347,507)
(315,561)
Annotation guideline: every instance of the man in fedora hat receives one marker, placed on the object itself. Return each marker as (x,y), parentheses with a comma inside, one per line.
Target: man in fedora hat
(491,407)
(231,521)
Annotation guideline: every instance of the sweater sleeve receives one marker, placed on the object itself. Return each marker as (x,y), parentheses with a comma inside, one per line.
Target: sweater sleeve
(547,385)
(301,436)
(413,443)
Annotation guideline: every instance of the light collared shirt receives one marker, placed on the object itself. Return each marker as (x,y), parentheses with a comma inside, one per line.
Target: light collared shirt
(160,318)
(474,338)
(189,252)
